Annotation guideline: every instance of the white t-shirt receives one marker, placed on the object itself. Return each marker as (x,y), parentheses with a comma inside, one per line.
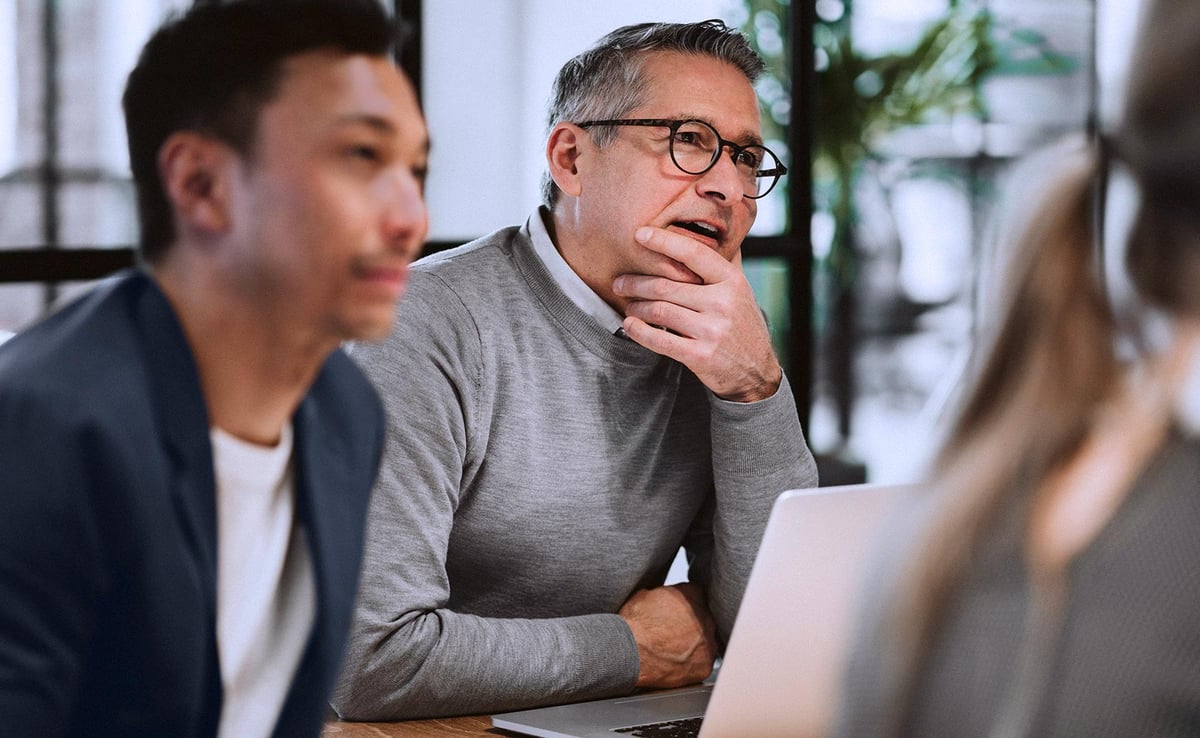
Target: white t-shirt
(266,596)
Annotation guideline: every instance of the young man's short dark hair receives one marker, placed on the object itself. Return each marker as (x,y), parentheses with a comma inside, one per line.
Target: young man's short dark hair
(211,70)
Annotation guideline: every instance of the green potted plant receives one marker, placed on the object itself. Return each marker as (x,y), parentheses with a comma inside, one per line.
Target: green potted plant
(860,100)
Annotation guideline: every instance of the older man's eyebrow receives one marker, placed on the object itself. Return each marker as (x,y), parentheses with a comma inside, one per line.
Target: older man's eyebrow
(744,137)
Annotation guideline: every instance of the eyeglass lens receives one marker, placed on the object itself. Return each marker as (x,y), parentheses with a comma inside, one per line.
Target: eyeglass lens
(696,147)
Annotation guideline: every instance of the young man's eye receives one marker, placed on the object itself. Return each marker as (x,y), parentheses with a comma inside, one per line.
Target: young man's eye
(366,153)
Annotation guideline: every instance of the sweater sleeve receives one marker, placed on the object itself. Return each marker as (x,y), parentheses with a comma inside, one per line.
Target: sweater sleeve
(758,451)
(410,654)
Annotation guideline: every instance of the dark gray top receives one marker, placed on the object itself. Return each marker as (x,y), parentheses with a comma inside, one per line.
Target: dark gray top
(1122,658)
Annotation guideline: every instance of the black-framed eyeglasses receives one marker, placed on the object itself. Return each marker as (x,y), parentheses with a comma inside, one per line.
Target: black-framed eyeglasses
(696,147)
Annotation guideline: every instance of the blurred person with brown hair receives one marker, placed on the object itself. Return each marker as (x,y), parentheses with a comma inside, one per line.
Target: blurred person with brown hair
(1052,586)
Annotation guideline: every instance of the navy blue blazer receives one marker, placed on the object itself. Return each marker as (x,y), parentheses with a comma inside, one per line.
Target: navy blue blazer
(108,534)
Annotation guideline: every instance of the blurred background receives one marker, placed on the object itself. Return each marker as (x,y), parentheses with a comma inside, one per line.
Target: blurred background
(902,122)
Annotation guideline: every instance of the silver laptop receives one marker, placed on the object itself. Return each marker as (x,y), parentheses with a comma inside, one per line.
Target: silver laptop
(782,667)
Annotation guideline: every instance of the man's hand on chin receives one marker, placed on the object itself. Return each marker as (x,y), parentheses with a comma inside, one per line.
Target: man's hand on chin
(714,328)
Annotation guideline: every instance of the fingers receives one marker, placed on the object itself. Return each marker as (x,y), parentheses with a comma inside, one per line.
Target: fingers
(683,335)
(715,329)
(702,260)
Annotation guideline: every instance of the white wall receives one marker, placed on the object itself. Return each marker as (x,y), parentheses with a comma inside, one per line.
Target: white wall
(8,85)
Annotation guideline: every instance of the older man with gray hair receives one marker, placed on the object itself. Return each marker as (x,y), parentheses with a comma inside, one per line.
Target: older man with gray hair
(572,400)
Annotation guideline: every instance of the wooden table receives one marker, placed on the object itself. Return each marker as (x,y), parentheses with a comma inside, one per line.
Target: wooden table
(473,725)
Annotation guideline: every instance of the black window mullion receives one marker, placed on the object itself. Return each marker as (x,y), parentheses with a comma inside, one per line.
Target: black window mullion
(50,140)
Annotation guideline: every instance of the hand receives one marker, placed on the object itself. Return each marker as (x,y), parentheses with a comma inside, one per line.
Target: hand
(714,328)
(676,636)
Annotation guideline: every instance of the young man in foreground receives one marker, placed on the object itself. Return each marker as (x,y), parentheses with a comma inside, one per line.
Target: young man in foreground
(185,453)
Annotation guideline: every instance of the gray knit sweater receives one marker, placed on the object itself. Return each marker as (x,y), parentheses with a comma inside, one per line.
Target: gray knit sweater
(539,470)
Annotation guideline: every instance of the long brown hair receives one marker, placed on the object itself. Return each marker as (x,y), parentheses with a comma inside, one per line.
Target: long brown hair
(1047,366)
(1051,360)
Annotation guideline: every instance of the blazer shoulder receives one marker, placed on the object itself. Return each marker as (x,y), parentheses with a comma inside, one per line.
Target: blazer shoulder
(90,352)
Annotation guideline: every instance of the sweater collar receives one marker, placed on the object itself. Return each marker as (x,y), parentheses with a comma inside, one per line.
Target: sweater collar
(565,277)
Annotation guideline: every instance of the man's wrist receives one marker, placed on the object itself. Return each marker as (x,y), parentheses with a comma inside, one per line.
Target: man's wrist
(764,388)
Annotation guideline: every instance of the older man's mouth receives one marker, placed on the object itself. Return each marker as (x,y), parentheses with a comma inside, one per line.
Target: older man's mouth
(699,228)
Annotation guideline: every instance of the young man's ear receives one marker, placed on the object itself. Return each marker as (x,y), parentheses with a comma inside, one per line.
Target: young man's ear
(195,171)
(563,153)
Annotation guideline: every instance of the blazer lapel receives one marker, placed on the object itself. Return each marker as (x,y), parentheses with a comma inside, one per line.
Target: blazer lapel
(320,465)
(184,432)
(320,472)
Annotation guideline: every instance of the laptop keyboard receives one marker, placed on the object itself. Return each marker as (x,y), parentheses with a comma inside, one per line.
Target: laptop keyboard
(686,728)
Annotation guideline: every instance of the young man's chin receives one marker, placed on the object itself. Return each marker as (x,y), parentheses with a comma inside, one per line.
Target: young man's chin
(374,326)
(375,333)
